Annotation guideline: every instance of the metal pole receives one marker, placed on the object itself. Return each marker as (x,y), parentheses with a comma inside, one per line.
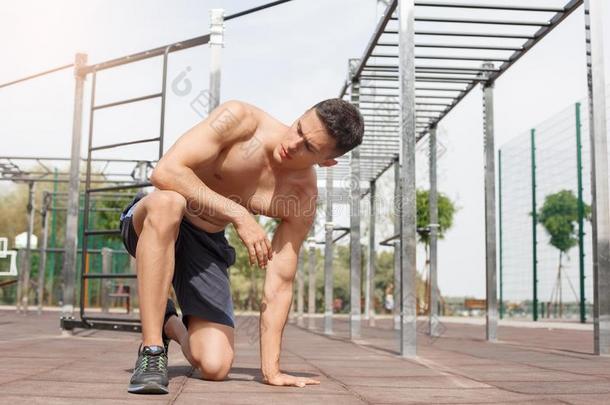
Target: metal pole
(490,215)
(216,44)
(534,227)
(581,218)
(300,287)
(406,51)
(328,255)
(142,170)
(433,216)
(25,289)
(311,285)
(396,290)
(355,248)
(369,304)
(599,175)
(106,269)
(42,265)
(21,263)
(69,265)
(501,234)
(51,278)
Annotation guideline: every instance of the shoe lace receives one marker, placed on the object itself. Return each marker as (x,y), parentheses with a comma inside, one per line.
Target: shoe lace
(153,363)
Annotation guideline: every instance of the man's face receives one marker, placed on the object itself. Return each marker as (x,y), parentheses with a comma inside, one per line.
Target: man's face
(306,143)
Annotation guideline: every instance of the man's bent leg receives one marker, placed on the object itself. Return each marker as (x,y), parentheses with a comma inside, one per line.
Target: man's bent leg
(156,220)
(211,347)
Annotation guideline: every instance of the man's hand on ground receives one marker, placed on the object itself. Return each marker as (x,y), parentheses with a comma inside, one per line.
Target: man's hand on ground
(289,380)
(255,240)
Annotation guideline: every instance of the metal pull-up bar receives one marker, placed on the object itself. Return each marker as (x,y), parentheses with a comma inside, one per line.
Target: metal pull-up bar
(46,72)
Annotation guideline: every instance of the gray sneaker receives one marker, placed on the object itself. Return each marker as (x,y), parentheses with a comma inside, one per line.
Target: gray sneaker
(150,373)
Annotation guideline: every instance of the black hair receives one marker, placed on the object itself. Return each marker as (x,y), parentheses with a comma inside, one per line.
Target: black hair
(343,122)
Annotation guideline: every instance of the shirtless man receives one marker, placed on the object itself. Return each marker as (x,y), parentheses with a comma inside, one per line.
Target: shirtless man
(238,162)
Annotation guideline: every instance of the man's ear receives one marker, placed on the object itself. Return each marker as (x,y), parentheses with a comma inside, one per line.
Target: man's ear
(328,163)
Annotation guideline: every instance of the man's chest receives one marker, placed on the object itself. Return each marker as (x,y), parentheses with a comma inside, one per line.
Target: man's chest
(243,175)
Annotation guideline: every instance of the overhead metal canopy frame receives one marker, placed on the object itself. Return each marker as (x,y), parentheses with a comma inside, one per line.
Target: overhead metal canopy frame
(449,54)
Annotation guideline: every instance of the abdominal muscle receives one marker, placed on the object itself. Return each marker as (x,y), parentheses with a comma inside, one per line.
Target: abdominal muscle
(203,224)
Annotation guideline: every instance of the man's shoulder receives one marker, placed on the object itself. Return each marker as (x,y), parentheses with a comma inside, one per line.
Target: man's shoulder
(235,116)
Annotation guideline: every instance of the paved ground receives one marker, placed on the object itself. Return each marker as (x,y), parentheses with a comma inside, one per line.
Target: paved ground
(528,365)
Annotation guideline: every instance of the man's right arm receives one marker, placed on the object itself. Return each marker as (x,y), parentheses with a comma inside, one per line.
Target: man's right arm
(230,122)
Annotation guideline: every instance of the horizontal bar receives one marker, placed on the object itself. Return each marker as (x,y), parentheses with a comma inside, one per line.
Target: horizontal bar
(472,34)
(380,102)
(397,109)
(121,187)
(483,59)
(481,47)
(114,195)
(449,72)
(105,276)
(446,77)
(255,9)
(379,124)
(440,57)
(372,157)
(70,324)
(462,81)
(47,172)
(116,145)
(432,103)
(93,232)
(68,159)
(379,87)
(437,89)
(488,6)
(95,251)
(420,96)
(51,180)
(58,209)
(151,53)
(380,115)
(475,21)
(477,69)
(430,68)
(109,319)
(128,101)
(46,72)
(380,79)
(378,109)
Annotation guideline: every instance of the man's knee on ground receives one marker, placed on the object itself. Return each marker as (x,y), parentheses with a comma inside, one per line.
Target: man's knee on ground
(164,210)
(214,367)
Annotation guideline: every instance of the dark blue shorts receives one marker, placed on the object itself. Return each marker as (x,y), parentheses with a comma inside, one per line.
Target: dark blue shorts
(201,278)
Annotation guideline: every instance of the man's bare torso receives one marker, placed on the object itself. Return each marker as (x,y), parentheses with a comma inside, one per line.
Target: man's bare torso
(244,172)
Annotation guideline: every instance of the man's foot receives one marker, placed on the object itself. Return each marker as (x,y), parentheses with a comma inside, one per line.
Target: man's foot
(150,373)
(170,310)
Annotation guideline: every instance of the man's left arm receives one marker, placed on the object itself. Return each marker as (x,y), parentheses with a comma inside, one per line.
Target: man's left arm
(277,298)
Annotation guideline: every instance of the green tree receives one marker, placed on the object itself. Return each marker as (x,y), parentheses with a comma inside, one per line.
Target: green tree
(446,211)
(559,215)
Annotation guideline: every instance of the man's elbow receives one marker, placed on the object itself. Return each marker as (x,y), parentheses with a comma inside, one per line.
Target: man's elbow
(163,176)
